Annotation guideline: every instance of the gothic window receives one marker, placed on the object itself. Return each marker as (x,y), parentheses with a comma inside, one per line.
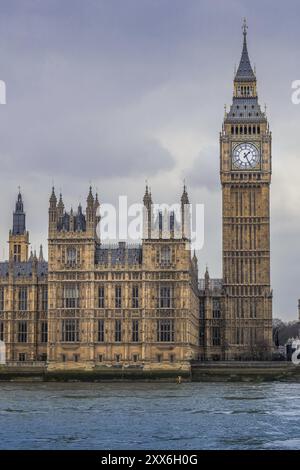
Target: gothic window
(101,301)
(216,336)
(239,336)
(23,298)
(216,308)
(17,253)
(1,299)
(253,309)
(201,336)
(22,357)
(252,335)
(70,330)
(22,332)
(118,297)
(45,298)
(165,330)
(172,218)
(135,331)
(202,308)
(165,256)
(160,220)
(242,306)
(135,297)
(71,256)
(44,332)
(1,331)
(101,331)
(118,331)
(165,299)
(71,296)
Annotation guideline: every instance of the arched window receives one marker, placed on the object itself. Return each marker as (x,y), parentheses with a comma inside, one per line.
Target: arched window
(71,256)
(165,256)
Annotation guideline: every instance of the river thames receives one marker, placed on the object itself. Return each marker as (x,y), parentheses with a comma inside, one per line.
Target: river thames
(150,416)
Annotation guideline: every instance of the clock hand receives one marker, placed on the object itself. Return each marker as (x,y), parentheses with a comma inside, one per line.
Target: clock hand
(248,160)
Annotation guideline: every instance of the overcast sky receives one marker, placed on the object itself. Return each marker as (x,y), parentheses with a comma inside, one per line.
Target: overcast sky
(114,92)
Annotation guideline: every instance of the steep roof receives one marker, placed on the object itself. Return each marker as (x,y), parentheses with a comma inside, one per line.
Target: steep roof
(245,71)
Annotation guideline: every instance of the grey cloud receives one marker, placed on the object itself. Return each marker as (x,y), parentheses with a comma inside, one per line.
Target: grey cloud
(92,86)
(205,170)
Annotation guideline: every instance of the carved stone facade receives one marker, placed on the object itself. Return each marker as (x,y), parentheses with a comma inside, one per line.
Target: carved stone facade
(143,306)
(95,305)
(243,330)
(23,296)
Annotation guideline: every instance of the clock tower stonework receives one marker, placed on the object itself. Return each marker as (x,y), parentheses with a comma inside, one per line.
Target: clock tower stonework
(245,172)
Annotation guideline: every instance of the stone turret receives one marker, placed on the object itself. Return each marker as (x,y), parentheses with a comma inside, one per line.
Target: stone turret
(18,236)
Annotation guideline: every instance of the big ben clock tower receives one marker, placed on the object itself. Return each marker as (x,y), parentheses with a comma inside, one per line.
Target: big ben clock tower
(245,171)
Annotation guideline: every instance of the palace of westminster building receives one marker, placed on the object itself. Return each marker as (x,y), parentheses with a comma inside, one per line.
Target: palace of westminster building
(143,306)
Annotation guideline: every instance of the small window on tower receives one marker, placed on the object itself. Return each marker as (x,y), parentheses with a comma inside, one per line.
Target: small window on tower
(165,256)
(71,256)
(17,253)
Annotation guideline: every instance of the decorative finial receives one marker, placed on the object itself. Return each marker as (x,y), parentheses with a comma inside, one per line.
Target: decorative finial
(184,197)
(245,27)
(41,256)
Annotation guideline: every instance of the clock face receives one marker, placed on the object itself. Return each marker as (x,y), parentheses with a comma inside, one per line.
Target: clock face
(245,156)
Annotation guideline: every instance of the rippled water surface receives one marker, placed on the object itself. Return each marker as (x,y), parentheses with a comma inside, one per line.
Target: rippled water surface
(150,415)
